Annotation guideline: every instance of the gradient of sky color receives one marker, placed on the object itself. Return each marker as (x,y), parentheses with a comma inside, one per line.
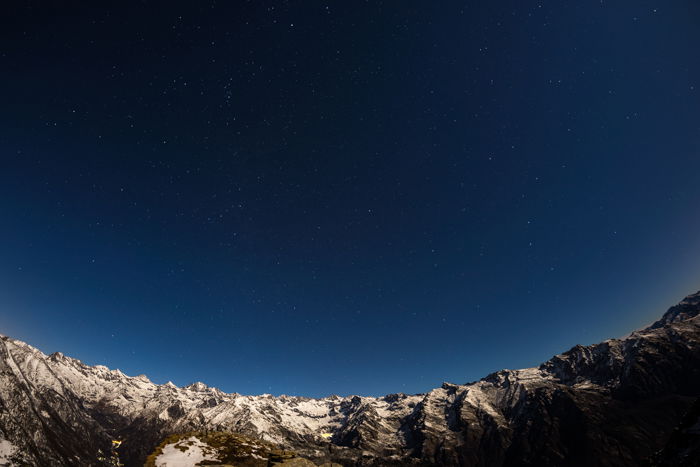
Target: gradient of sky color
(344,197)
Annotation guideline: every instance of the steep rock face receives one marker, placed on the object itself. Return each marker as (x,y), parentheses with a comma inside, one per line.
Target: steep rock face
(41,417)
(615,403)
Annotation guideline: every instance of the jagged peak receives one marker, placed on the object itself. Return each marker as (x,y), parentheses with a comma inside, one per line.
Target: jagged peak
(197,386)
(449,386)
(498,377)
(692,299)
(395,397)
(143,378)
(686,309)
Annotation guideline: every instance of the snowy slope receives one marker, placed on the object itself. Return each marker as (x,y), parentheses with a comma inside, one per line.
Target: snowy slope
(194,452)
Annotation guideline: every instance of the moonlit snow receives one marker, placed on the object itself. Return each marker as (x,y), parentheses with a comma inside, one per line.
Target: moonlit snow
(174,456)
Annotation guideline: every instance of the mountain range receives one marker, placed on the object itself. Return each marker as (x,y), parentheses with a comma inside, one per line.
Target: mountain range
(623,402)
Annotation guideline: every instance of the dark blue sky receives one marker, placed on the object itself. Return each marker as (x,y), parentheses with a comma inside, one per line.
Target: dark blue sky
(344,197)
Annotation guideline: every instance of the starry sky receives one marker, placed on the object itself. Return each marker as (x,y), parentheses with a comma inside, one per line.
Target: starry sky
(326,197)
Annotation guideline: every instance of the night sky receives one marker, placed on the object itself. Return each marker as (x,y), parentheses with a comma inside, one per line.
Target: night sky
(344,197)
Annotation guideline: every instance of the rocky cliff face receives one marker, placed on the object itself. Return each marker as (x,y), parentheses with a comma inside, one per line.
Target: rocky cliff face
(616,403)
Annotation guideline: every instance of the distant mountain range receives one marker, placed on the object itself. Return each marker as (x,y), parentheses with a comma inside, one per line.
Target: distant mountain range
(622,402)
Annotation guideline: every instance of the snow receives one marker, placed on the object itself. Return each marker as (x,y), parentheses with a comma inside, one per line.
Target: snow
(529,375)
(196,452)
(7,450)
(476,397)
